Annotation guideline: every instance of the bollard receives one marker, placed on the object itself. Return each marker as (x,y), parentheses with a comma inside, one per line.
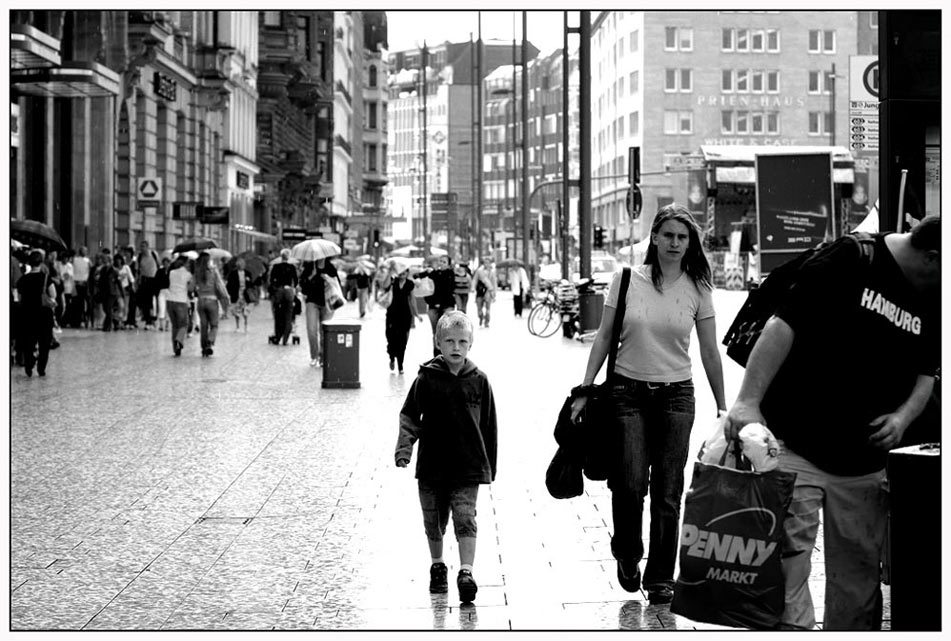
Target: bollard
(590,307)
(914,537)
(341,354)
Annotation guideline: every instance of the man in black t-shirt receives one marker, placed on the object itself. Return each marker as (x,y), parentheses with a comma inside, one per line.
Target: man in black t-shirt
(838,374)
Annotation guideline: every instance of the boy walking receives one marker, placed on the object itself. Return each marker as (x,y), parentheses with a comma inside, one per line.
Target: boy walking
(450,410)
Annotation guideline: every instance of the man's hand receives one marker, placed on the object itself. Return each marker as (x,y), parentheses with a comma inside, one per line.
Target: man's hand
(741,414)
(577,407)
(403,462)
(891,430)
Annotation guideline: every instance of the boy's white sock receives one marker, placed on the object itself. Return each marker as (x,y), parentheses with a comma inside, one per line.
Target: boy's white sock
(466,566)
(439,560)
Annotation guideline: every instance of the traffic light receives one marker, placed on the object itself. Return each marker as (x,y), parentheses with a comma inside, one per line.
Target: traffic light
(598,237)
(376,237)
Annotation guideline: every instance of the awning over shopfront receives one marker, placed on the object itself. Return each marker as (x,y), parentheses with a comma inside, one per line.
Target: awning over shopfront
(737,163)
(30,48)
(72,80)
(257,235)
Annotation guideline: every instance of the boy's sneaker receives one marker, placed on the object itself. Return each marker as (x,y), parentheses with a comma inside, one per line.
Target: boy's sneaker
(467,586)
(629,575)
(659,594)
(438,583)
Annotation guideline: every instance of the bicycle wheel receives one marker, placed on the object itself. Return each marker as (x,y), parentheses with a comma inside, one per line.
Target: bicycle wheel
(544,320)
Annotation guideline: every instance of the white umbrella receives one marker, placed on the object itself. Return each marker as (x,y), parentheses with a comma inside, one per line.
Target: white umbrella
(314,249)
(397,263)
(191,253)
(218,253)
(405,251)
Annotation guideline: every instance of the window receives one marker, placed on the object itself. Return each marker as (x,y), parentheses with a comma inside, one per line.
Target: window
(635,82)
(757,85)
(678,80)
(820,82)
(772,122)
(372,116)
(772,40)
(726,122)
(820,123)
(742,80)
(634,123)
(726,82)
(678,39)
(634,40)
(742,122)
(620,87)
(873,19)
(772,82)
(726,42)
(678,122)
(756,122)
(372,76)
(742,39)
(371,157)
(821,41)
(272,18)
(757,41)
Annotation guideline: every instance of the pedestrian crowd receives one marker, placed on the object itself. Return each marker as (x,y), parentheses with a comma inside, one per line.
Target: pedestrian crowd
(835,407)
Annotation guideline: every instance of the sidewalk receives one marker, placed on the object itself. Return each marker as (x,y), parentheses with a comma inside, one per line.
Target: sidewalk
(234,492)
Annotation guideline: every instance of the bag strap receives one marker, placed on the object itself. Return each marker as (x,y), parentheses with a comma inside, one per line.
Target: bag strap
(618,319)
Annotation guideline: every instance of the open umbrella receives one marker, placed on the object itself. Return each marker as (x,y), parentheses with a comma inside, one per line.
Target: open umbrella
(194,244)
(406,251)
(398,264)
(218,253)
(252,262)
(33,233)
(314,249)
(505,263)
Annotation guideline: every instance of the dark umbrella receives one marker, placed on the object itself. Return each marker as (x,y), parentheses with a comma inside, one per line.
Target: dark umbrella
(35,234)
(252,262)
(195,244)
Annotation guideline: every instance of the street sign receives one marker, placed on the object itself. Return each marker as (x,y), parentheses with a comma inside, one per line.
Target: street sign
(293,234)
(148,190)
(682,162)
(863,103)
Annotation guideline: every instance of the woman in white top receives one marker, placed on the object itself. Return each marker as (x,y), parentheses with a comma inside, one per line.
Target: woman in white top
(521,285)
(652,394)
(180,283)
(126,279)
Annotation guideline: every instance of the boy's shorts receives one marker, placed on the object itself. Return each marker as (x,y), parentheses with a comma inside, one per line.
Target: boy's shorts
(438,498)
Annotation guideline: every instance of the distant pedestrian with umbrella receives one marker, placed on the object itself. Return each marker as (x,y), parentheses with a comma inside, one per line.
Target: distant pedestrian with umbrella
(211,292)
(282,288)
(401,314)
(316,310)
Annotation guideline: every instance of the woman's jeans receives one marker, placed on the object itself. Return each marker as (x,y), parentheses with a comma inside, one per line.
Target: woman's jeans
(654,422)
(208,313)
(316,315)
(178,316)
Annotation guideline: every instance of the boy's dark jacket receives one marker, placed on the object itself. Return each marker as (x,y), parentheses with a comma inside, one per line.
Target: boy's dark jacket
(453,417)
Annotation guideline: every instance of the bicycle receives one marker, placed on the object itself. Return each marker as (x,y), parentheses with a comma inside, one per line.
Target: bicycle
(544,319)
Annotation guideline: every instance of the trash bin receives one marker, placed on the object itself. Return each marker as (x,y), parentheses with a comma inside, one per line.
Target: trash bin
(341,354)
(590,307)
(913,554)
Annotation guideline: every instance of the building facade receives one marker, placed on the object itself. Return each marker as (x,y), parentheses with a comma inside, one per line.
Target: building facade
(671,84)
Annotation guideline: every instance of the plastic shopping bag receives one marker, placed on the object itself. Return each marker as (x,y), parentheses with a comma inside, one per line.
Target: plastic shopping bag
(730,547)
(757,444)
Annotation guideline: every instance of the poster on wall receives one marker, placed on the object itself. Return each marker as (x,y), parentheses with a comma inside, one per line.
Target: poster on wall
(795,203)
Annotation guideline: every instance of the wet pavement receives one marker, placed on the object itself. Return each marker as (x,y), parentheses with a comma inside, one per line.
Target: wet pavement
(149,492)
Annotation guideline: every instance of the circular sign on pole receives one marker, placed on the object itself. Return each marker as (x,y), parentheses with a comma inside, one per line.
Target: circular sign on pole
(870,78)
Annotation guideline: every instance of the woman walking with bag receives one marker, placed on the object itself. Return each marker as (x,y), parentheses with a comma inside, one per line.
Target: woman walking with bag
(652,394)
(316,309)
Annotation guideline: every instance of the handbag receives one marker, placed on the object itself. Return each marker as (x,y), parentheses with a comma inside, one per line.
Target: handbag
(424,287)
(333,294)
(48,300)
(385,299)
(731,545)
(600,455)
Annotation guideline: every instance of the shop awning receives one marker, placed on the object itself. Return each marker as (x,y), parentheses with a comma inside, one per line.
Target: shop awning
(259,235)
(30,48)
(72,80)
(737,163)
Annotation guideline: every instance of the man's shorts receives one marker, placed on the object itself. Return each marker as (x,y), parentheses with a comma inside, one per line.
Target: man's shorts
(437,499)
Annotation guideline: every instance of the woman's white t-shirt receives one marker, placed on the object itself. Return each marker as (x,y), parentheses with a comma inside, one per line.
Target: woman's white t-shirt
(655,336)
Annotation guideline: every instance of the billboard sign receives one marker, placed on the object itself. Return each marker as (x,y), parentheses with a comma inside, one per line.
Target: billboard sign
(794,204)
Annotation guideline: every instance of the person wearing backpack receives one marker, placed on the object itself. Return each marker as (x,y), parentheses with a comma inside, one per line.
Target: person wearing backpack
(840,371)
(652,393)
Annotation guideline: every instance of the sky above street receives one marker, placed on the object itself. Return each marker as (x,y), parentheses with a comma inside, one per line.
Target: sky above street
(408,29)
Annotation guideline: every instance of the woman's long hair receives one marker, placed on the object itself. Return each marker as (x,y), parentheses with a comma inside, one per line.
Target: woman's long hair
(694,262)
(204,273)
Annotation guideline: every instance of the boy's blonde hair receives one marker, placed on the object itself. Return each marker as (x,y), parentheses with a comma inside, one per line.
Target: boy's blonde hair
(454,320)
